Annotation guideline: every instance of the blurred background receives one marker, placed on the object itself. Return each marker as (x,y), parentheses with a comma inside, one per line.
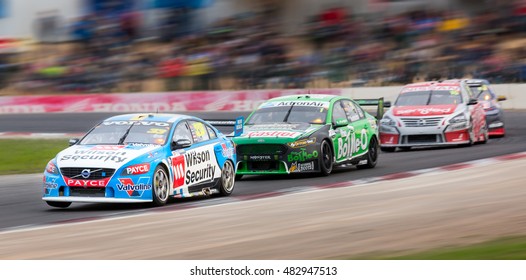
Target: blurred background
(86,46)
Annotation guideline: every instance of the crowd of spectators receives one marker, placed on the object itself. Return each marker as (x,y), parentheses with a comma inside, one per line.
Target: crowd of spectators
(248,51)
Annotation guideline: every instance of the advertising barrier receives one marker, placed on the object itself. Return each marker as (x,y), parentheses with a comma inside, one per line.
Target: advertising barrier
(245,100)
(148,102)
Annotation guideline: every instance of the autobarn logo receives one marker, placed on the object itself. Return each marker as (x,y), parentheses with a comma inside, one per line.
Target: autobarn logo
(302,167)
(134,189)
(351,144)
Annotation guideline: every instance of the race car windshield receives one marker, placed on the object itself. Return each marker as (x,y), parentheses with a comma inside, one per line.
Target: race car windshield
(289,114)
(116,133)
(482,92)
(431,97)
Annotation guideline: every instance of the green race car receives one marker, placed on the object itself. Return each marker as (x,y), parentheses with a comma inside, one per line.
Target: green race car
(307,133)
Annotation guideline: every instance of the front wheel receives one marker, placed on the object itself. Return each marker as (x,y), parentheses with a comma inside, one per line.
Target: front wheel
(372,155)
(58,204)
(160,187)
(227,181)
(326,158)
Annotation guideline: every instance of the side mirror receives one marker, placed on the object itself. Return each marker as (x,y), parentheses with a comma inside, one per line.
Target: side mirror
(73,141)
(387,104)
(473,101)
(181,143)
(501,98)
(340,122)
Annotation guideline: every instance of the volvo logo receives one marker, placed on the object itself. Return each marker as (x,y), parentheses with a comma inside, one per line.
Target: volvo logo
(421,122)
(85,173)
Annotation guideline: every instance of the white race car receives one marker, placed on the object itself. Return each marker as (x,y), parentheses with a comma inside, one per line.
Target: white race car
(433,114)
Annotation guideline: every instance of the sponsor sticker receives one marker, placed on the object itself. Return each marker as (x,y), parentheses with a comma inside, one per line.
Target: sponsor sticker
(134,189)
(302,155)
(302,143)
(278,134)
(136,169)
(260,157)
(178,170)
(351,144)
(302,167)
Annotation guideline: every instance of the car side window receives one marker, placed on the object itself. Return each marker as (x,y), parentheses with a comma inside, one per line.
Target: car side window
(211,133)
(199,131)
(338,112)
(182,132)
(350,110)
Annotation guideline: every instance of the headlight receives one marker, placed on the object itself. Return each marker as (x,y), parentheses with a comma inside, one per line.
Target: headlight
(387,121)
(461,118)
(459,122)
(51,168)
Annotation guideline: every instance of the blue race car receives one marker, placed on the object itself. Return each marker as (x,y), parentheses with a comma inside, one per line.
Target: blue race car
(142,158)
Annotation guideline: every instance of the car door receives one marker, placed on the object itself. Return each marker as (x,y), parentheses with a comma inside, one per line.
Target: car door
(341,133)
(360,138)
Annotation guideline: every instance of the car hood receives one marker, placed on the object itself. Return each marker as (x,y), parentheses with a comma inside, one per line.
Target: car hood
(430,110)
(275,132)
(102,156)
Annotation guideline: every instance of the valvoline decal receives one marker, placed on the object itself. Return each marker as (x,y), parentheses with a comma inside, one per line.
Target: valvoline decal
(432,110)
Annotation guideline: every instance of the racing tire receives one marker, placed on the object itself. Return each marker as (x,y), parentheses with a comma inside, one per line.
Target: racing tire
(471,137)
(160,187)
(486,134)
(239,177)
(58,204)
(326,159)
(372,155)
(227,180)
(387,149)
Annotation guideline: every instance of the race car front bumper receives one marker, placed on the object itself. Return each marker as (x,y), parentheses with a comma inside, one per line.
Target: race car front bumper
(423,136)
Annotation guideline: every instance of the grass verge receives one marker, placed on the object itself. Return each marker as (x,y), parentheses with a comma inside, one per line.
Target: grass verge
(22,156)
(509,248)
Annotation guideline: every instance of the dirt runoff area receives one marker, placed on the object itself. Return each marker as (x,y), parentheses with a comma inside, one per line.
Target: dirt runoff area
(423,212)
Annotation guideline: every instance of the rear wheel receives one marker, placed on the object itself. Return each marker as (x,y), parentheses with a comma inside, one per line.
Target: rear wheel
(58,204)
(372,155)
(160,186)
(326,158)
(226,182)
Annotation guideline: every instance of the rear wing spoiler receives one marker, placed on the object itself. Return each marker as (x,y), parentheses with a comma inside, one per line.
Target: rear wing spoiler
(238,125)
(380,103)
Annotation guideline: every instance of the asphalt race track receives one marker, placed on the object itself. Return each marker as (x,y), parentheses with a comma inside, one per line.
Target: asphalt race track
(21,203)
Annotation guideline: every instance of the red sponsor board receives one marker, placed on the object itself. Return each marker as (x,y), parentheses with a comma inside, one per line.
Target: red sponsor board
(415,111)
(457,136)
(178,170)
(389,138)
(86,183)
(148,102)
